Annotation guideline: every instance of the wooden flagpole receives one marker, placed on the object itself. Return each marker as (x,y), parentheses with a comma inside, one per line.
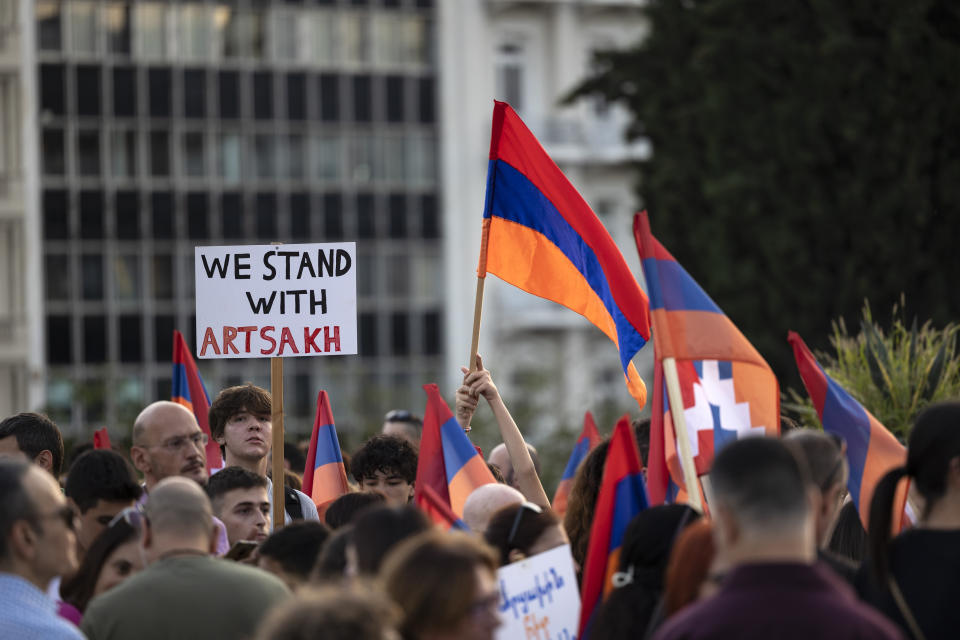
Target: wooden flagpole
(276,418)
(672,380)
(475,341)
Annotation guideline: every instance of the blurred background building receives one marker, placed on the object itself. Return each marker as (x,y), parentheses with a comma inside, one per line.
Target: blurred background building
(131,132)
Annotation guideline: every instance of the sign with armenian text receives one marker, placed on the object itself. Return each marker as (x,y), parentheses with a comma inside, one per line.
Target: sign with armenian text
(539,597)
(266,301)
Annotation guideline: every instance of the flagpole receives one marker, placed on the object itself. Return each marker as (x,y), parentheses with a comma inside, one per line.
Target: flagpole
(672,380)
(276,418)
(475,341)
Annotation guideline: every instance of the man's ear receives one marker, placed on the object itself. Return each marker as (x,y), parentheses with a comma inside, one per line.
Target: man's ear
(44,460)
(413,489)
(22,540)
(140,459)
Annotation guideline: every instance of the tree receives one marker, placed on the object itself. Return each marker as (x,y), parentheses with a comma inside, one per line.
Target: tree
(806,155)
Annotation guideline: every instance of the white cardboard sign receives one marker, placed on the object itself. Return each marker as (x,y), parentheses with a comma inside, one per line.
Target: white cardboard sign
(539,598)
(263,301)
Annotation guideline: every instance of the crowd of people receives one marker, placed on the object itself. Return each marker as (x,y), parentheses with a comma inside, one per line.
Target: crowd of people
(146,543)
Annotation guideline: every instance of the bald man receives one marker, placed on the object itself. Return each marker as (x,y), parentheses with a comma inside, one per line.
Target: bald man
(500,457)
(485,501)
(184,592)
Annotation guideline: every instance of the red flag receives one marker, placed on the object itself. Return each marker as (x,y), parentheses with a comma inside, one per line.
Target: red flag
(324,477)
(101,439)
(189,390)
(437,510)
(588,440)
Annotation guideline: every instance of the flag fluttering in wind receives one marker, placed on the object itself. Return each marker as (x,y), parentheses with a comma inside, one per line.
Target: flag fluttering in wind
(872,451)
(447,462)
(439,511)
(324,477)
(189,390)
(541,236)
(728,389)
(622,496)
(589,438)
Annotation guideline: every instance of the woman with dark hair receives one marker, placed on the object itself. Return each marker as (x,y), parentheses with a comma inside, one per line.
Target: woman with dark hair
(849,538)
(583,500)
(914,579)
(446,586)
(522,530)
(376,531)
(113,557)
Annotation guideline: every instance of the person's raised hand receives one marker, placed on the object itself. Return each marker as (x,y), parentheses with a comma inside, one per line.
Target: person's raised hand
(480,382)
(466,406)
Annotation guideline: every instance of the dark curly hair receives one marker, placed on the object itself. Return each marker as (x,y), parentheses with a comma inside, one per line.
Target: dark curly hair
(233,400)
(388,454)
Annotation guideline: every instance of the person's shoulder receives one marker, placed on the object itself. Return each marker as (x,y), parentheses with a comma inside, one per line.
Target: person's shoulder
(307,505)
(243,575)
(687,624)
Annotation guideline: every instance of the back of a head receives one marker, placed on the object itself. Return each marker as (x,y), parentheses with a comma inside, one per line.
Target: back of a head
(15,503)
(178,507)
(647,542)
(333,613)
(296,546)
(578,518)
(823,455)
(762,484)
(432,578)
(849,538)
(35,433)
(510,530)
(344,509)
(379,529)
(332,562)
(101,475)
(486,500)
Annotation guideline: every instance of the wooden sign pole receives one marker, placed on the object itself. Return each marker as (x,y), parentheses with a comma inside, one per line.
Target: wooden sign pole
(276,418)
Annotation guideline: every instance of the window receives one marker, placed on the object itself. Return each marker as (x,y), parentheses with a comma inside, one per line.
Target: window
(91,215)
(262,96)
(95,339)
(367,262)
(131,338)
(329,98)
(432,337)
(300,217)
(392,158)
(163,326)
(400,334)
(194,163)
(295,158)
(360,160)
(197,224)
(421,158)
(161,204)
(362,99)
(56,224)
(242,32)
(415,34)
(394,98)
(54,156)
(397,205)
(266,216)
(51,89)
(118,27)
(127,211)
(326,156)
(159,153)
(48,25)
(427,100)
(126,277)
(509,75)
(264,156)
(194,93)
(367,334)
(159,82)
(59,340)
(91,276)
(124,91)
(386,40)
(162,276)
(123,154)
(196,32)
(88,90)
(83,26)
(398,275)
(57,276)
(324,36)
(229,94)
(430,221)
(151,29)
(366,221)
(332,217)
(355,31)
(284,35)
(88,153)
(425,276)
(229,152)
(232,219)
(296,96)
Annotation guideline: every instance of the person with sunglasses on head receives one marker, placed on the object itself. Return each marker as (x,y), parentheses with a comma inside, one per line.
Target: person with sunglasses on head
(523,530)
(403,424)
(37,544)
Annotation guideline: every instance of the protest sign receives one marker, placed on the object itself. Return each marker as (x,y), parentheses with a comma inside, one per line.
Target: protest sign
(539,597)
(262,301)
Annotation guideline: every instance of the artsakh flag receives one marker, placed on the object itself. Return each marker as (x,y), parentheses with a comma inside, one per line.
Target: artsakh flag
(622,496)
(728,389)
(189,390)
(324,477)
(589,438)
(439,511)
(872,451)
(101,439)
(447,462)
(541,236)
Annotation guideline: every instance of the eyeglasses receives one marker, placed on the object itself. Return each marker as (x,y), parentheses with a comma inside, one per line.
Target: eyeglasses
(526,506)
(399,415)
(198,440)
(133,516)
(65,513)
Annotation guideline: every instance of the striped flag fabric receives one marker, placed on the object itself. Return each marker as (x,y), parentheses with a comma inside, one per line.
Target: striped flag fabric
(439,511)
(589,438)
(871,449)
(189,390)
(448,462)
(541,236)
(324,476)
(622,496)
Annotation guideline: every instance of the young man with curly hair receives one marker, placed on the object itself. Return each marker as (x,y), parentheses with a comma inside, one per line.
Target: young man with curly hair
(386,465)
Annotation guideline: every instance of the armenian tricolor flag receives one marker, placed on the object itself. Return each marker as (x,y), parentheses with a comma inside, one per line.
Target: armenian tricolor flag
(447,462)
(872,451)
(189,390)
(439,511)
(324,477)
(728,389)
(541,236)
(589,438)
(622,496)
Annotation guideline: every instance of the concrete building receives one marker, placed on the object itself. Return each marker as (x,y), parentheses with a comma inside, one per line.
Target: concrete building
(549,362)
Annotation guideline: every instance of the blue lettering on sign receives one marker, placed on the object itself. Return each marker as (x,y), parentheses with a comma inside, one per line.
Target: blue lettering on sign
(539,594)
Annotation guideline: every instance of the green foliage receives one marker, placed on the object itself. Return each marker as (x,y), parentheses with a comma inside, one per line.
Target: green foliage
(894,374)
(806,154)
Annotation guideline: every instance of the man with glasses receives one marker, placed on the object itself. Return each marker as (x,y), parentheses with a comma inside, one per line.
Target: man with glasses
(37,544)
(403,424)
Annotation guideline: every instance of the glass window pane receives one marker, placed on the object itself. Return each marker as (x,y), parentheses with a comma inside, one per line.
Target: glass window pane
(421,154)
(91,215)
(326,155)
(127,211)
(400,334)
(197,218)
(151,29)
(324,38)
(229,152)
(426,275)
(91,276)
(88,90)
(229,85)
(159,153)
(57,277)
(95,347)
(432,336)
(123,154)
(56,223)
(242,32)
(232,218)
(285,35)
(398,275)
(194,93)
(161,203)
(48,25)
(360,161)
(262,95)
(193,154)
(162,276)
(264,156)
(54,157)
(329,99)
(131,340)
(366,273)
(124,92)
(266,215)
(83,26)
(333,216)
(160,85)
(52,89)
(415,45)
(397,207)
(88,153)
(195,32)
(59,340)
(126,278)
(297,154)
(355,30)
(394,159)
(118,27)
(296,96)
(366,220)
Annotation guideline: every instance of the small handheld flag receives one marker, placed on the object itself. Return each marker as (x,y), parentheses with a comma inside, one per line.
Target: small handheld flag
(324,477)
(622,496)
(101,439)
(871,449)
(189,390)
(588,440)
(438,511)
(541,236)
(448,462)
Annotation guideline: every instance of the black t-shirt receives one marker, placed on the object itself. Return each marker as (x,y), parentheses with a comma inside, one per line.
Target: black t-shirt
(926,566)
